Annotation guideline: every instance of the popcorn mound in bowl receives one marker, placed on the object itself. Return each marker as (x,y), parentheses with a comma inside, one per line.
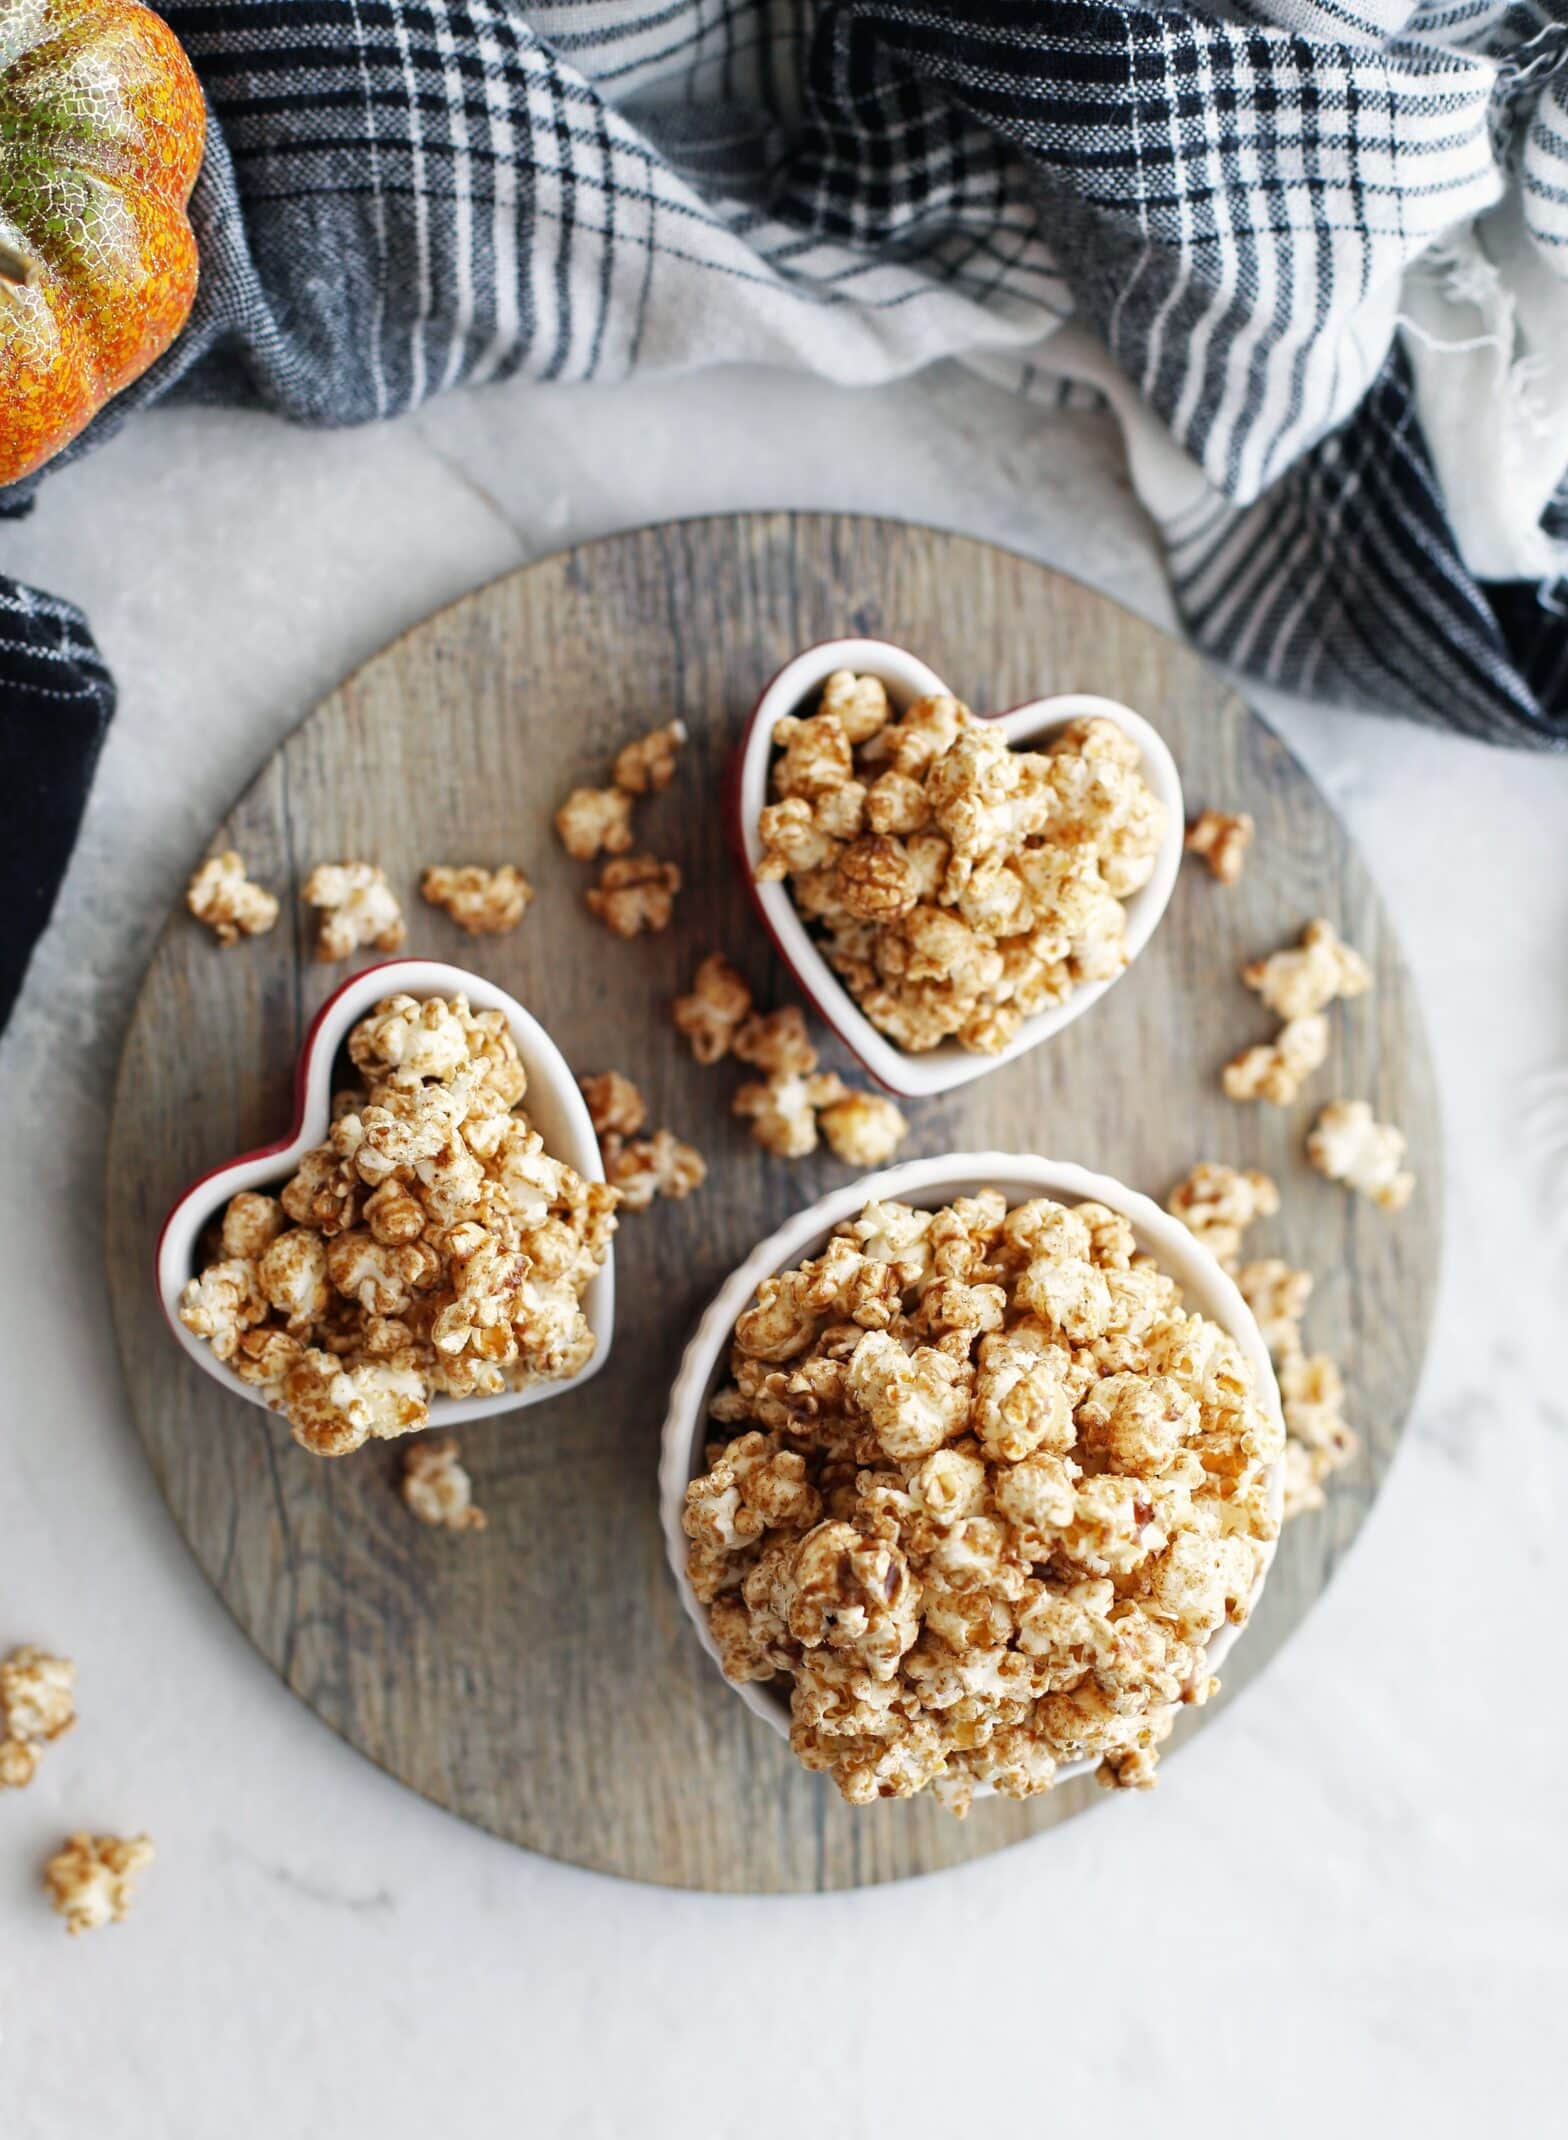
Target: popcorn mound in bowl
(957,886)
(430,1245)
(985,1492)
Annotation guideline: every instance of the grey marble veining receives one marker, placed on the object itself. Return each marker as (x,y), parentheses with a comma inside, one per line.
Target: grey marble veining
(1355,1885)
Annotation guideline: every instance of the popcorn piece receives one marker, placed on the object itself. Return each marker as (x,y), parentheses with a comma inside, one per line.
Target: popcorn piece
(647,765)
(1346,1145)
(485,902)
(615,1106)
(635,894)
(37,1699)
(436,1488)
(595,821)
(1217,1204)
(358,908)
(221,895)
(718,1005)
(1277,1296)
(222,1304)
(863,1129)
(1222,840)
(1296,983)
(972,1550)
(782,1111)
(858,703)
(91,1882)
(250,1225)
(1277,1071)
(659,1165)
(777,1044)
(18,1764)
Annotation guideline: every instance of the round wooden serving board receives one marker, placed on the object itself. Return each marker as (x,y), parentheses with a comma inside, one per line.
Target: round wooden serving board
(539,1678)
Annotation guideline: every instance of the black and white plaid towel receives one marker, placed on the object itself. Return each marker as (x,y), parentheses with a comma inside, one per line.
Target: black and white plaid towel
(1314,252)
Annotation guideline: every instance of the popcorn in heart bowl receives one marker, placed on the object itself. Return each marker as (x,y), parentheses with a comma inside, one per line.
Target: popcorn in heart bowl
(419,1251)
(849,807)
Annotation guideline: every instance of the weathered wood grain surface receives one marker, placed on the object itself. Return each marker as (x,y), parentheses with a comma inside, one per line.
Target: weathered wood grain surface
(539,1679)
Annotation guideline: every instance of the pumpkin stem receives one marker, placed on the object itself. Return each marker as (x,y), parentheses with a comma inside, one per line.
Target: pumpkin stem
(14,266)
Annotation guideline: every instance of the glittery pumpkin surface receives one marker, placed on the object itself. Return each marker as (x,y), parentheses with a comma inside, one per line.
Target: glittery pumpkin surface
(101,130)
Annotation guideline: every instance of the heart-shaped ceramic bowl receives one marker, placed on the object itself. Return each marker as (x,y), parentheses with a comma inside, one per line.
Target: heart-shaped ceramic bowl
(906,679)
(928,1183)
(553,1104)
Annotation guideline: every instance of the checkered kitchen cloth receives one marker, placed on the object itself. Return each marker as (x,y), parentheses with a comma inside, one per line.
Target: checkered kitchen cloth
(1215,215)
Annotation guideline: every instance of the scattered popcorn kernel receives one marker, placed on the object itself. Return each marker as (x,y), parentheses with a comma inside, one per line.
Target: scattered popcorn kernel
(647,765)
(91,1882)
(1347,1145)
(1277,1071)
(1277,1296)
(634,894)
(718,1005)
(777,1043)
(434,1246)
(1217,1204)
(358,908)
(646,1167)
(1297,982)
(595,821)
(18,1763)
(485,902)
(436,1488)
(1222,841)
(615,1107)
(37,1699)
(221,895)
(957,886)
(864,1129)
(782,1110)
(973,1551)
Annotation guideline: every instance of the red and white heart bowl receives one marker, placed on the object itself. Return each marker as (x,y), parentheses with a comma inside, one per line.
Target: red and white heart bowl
(794,690)
(553,1104)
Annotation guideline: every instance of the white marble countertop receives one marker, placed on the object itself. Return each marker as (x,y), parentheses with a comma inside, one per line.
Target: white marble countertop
(1370,1923)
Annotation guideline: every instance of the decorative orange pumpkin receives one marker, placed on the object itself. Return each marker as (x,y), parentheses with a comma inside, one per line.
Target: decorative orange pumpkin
(101,127)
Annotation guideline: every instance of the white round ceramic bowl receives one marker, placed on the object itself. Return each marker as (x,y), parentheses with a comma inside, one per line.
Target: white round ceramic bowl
(906,679)
(927,1183)
(553,1104)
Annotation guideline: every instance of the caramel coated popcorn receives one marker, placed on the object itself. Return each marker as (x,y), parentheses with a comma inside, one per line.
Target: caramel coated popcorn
(1217,1203)
(436,1488)
(436,1247)
(91,1881)
(1319,1439)
(864,1129)
(37,1704)
(983,1492)
(221,895)
(358,908)
(642,1168)
(646,766)
(957,886)
(485,902)
(1277,1071)
(595,821)
(1221,840)
(1347,1145)
(634,894)
(717,1006)
(1308,977)
(615,1106)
